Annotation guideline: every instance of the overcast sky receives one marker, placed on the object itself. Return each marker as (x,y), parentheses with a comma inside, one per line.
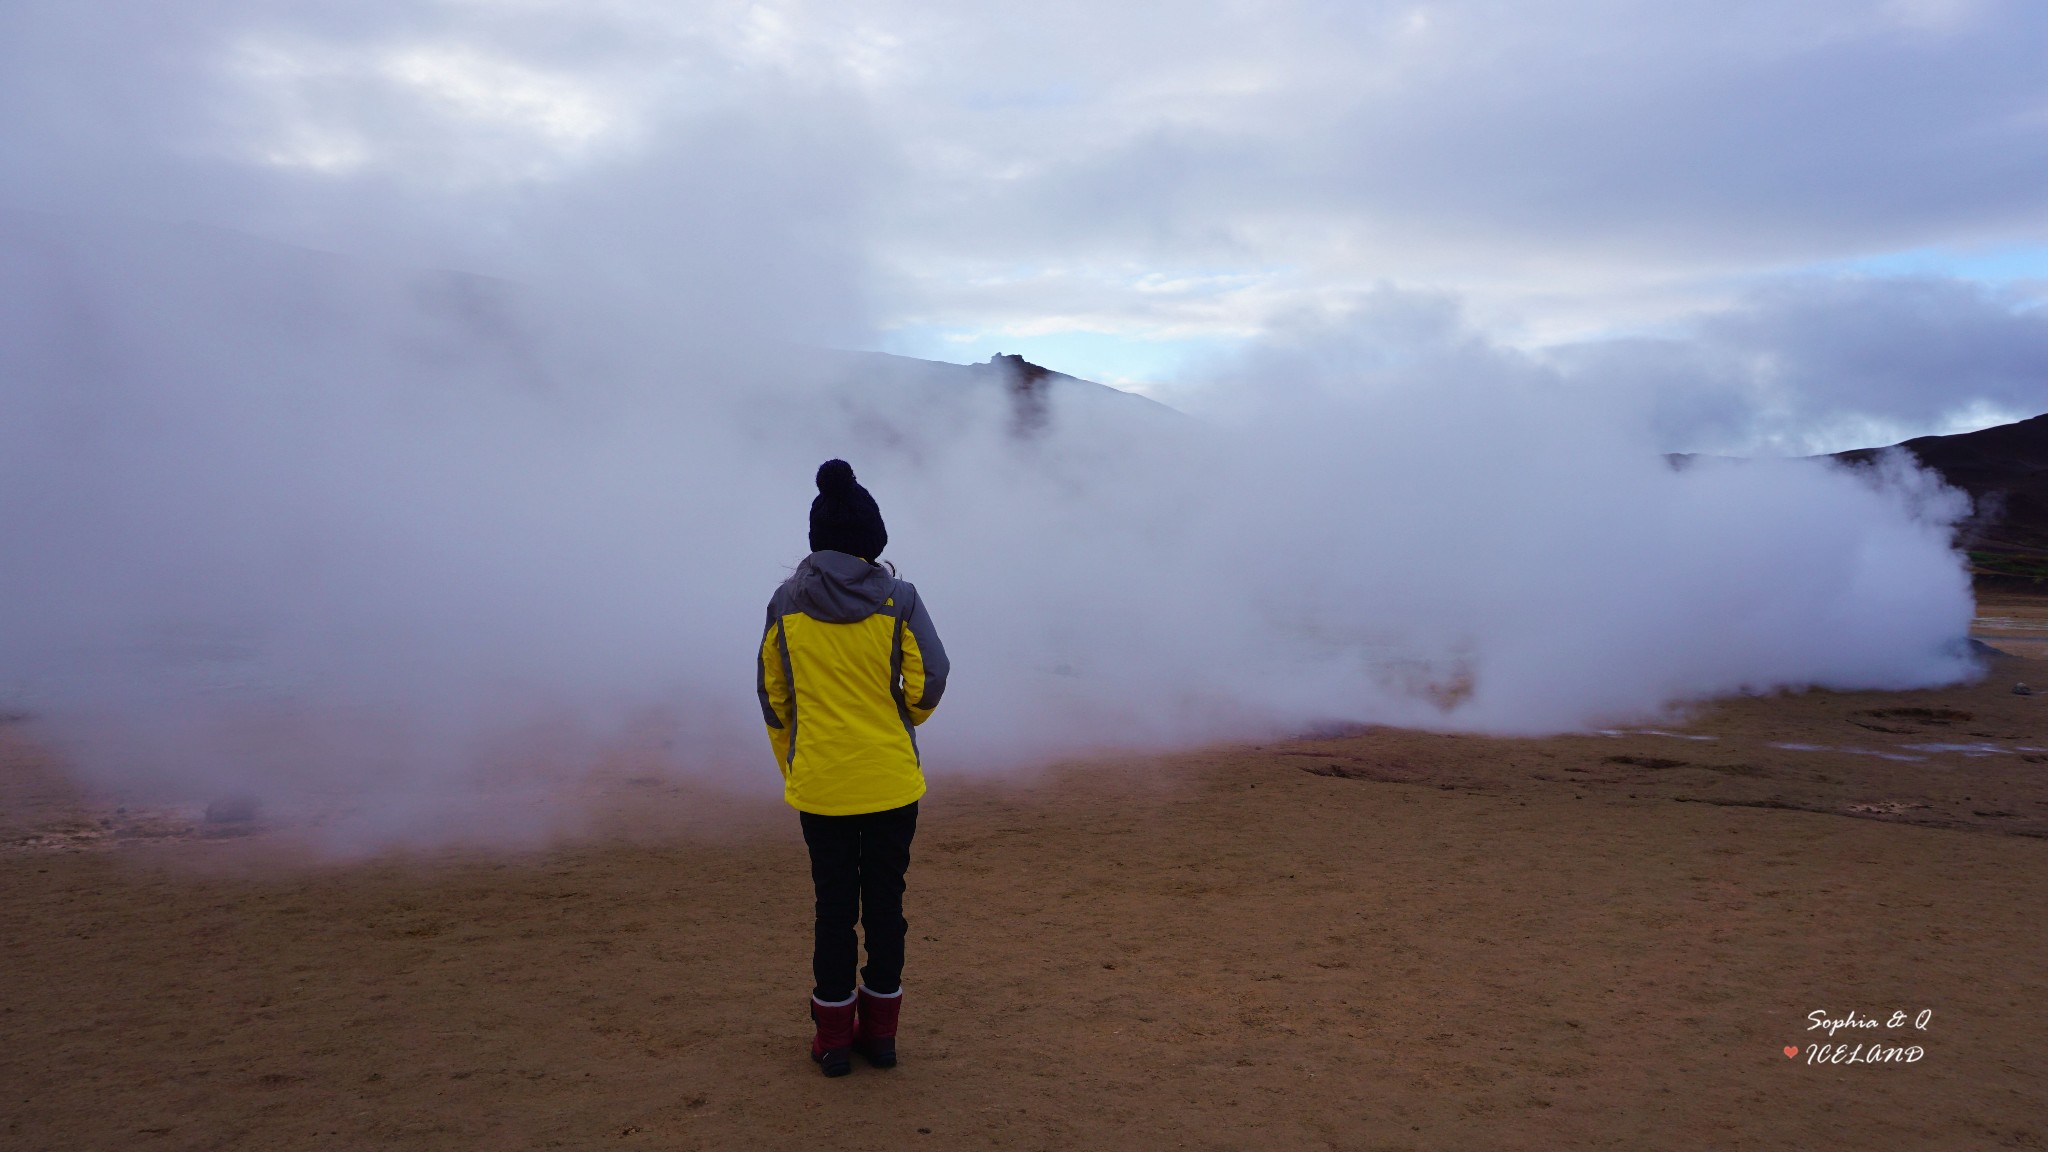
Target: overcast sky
(1793,226)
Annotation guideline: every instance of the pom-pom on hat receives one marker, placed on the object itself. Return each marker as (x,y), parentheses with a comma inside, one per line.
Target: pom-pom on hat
(844,518)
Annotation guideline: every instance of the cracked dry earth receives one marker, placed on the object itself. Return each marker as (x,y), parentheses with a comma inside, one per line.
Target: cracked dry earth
(1373,940)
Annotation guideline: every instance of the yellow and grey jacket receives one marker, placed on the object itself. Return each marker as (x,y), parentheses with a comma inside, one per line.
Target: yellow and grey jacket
(849,666)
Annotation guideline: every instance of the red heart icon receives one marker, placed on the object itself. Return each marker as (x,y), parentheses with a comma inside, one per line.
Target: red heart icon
(1791,1051)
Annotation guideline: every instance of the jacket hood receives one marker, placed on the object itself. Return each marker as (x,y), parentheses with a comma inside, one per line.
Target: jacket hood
(839,589)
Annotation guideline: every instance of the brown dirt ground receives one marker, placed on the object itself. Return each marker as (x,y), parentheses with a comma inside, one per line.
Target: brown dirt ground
(1371,940)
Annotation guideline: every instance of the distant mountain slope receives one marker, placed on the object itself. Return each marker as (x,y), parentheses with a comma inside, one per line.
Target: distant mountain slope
(1033,390)
(2005,470)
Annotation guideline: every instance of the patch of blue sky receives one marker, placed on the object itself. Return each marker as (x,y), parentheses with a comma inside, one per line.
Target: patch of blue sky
(1135,363)
(2007,262)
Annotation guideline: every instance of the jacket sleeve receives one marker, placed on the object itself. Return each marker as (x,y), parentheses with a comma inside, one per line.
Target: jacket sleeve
(925,665)
(778,695)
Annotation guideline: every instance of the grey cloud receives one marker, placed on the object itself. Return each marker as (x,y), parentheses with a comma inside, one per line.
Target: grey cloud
(1822,364)
(1652,133)
(1584,150)
(709,184)
(1669,135)
(1799,366)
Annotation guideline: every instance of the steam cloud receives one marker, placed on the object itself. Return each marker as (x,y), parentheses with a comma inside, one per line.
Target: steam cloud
(350,532)
(293,526)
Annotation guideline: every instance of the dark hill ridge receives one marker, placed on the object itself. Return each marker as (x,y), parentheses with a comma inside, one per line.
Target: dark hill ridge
(2005,471)
(1037,398)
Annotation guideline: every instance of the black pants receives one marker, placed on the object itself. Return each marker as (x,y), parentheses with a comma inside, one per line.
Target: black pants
(857,866)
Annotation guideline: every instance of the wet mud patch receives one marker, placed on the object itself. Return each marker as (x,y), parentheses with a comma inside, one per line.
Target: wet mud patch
(1907,721)
(1651,763)
(126,826)
(1394,772)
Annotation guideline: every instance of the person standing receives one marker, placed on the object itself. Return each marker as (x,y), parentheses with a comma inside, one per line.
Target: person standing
(849,666)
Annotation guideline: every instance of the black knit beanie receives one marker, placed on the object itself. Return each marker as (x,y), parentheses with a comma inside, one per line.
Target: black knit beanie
(844,518)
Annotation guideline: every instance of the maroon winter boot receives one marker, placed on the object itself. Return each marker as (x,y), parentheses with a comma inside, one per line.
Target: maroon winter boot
(876,1037)
(832,1047)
